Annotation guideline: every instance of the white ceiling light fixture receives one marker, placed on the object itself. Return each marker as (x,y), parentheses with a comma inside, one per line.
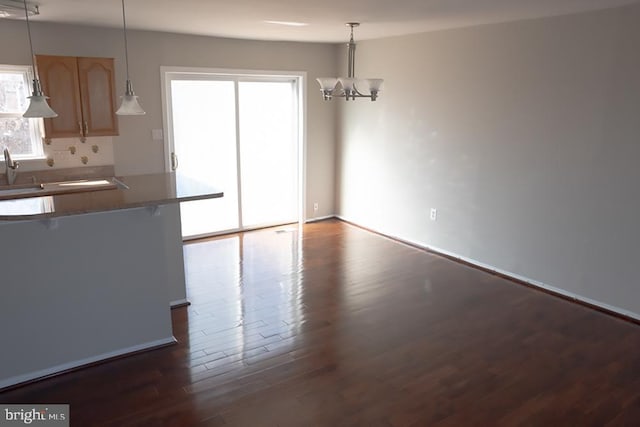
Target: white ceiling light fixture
(350,83)
(38,106)
(15,9)
(288,23)
(130,105)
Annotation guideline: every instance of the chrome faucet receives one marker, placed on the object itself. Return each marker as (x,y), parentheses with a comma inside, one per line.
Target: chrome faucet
(11,167)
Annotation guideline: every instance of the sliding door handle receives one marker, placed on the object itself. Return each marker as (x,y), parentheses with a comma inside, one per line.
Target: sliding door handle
(174,161)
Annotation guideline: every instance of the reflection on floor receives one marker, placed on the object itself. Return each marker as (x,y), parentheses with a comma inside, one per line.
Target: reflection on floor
(330,325)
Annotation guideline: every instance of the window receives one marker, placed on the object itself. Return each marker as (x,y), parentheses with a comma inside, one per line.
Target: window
(21,136)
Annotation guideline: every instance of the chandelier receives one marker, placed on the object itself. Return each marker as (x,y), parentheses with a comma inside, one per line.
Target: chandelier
(350,87)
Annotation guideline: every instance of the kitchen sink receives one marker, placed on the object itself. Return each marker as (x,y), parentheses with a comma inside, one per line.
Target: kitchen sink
(62,187)
(19,191)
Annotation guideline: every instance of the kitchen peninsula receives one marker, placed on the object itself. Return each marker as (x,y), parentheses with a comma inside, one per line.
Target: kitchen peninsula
(88,276)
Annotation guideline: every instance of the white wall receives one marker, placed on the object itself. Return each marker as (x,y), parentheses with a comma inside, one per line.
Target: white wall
(134,150)
(526,138)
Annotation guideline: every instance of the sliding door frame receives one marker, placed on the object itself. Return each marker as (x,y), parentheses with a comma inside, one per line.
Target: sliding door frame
(168,74)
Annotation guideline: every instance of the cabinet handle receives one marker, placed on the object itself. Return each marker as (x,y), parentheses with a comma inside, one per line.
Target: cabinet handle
(174,161)
(86,129)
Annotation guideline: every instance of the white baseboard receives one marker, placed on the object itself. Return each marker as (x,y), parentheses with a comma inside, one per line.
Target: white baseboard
(18,379)
(527,280)
(320,218)
(179,303)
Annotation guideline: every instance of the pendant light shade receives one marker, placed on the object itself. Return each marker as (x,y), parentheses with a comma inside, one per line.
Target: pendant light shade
(129,105)
(38,106)
(347,83)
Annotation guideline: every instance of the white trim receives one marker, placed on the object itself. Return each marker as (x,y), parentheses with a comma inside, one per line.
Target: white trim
(527,280)
(13,67)
(179,302)
(302,149)
(320,218)
(167,120)
(231,72)
(83,362)
(236,96)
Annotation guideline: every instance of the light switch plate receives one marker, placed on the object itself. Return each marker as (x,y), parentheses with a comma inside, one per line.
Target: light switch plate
(157,134)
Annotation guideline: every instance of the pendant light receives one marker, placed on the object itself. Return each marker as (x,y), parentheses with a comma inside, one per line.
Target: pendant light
(350,84)
(130,105)
(38,106)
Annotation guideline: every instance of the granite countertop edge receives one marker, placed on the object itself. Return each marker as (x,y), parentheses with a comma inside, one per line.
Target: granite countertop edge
(144,191)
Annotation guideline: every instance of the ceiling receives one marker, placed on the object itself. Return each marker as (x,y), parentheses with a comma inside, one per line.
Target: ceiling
(325,18)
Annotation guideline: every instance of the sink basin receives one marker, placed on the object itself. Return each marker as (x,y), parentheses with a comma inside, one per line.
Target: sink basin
(20,191)
(63,187)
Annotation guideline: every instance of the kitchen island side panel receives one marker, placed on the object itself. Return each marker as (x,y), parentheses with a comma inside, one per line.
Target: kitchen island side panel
(81,288)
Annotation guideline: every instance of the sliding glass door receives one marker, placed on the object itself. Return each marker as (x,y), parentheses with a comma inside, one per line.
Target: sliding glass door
(268,153)
(241,134)
(205,150)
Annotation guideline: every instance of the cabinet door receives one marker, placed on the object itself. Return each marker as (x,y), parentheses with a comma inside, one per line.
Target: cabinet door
(98,98)
(59,79)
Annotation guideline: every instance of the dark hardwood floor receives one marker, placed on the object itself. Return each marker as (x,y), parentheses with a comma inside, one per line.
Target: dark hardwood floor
(332,325)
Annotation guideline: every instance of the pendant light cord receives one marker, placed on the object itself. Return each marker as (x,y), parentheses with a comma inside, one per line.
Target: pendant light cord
(33,62)
(126,49)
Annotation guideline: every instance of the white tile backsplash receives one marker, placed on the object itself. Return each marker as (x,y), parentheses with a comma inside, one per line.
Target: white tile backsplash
(59,151)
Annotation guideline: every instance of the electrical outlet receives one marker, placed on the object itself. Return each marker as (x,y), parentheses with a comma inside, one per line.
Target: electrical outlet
(315,207)
(433,214)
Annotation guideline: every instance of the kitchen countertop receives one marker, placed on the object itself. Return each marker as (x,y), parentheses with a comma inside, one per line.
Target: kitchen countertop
(144,190)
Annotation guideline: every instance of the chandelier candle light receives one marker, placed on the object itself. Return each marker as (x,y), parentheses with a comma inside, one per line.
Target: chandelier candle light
(130,105)
(350,83)
(38,106)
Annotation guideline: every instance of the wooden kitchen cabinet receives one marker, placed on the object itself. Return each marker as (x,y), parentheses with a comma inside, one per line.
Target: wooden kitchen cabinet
(81,91)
